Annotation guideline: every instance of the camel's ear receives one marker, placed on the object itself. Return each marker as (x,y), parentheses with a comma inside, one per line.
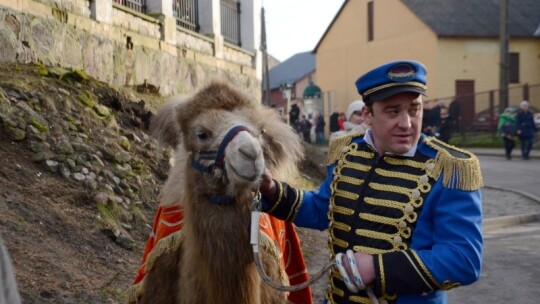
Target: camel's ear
(283,148)
(164,126)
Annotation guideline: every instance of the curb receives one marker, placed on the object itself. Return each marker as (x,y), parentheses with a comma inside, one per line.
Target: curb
(509,220)
(522,193)
(501,154)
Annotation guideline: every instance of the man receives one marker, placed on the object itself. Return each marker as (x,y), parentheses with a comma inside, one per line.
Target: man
(525,129)
(407,206)
(8,286)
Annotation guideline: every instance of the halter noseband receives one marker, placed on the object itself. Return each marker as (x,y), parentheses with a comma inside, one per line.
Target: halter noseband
(219,161)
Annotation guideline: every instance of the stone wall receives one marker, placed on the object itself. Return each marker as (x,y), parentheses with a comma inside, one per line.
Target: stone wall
(127,52)
(135,22)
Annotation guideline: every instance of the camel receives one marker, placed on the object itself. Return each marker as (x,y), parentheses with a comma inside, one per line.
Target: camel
(223,141)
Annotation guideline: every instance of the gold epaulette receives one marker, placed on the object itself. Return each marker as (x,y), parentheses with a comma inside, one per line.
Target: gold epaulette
(337,144)
(460,168)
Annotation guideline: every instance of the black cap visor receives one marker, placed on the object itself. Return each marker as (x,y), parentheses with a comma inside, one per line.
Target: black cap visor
(388,92)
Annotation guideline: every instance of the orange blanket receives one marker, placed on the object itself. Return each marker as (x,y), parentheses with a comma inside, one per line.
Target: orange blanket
(170,219)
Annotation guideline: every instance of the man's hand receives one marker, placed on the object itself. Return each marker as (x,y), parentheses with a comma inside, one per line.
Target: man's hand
(268,186)
(365,265)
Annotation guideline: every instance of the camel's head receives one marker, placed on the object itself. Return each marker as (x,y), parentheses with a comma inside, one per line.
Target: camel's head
(228,138)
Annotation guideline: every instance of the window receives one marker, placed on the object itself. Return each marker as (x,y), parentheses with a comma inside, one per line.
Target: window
(513,68)
(370,21)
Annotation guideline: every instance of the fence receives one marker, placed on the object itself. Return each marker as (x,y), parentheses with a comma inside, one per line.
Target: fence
(479,112)
(136,5)
(186,13)
(230,21)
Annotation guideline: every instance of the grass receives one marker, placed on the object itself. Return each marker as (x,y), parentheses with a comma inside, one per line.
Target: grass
(477,140)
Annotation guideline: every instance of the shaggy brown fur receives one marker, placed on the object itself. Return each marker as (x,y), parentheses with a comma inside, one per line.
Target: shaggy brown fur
(215,262)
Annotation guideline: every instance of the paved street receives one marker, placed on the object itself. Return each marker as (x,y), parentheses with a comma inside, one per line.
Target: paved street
(511,255)
(514,174)
(511,268)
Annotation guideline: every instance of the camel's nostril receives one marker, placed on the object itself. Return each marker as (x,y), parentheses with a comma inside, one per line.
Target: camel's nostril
(248,152)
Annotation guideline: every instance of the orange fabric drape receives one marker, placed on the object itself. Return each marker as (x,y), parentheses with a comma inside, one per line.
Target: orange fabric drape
(170,219)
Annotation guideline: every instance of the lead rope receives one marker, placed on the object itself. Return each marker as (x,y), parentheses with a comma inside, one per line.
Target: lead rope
(254,240)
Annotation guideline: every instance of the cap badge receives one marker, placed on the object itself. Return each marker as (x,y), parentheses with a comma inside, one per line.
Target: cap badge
(401,72)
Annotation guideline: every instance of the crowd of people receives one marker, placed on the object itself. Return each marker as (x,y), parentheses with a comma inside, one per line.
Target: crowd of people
(439,120)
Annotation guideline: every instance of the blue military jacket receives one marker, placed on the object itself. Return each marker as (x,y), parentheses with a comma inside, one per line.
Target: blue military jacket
(420,217)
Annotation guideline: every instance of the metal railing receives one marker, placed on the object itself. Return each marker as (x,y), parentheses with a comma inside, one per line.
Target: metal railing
(484,108)
(136,5)
(186,13)
(230,21)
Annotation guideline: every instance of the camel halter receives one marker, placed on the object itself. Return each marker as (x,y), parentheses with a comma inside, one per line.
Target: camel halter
(219,161)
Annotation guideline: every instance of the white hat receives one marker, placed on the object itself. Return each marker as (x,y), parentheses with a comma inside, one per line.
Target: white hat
(524,103)
(356,105)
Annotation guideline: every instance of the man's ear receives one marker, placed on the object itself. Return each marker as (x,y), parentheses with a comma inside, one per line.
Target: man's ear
(366,111)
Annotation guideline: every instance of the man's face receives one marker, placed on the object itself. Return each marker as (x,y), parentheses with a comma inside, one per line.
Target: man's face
(396,122)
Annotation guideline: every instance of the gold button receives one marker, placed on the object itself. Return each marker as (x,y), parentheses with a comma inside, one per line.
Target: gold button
(430,166)
(402,224)
(330,207)
(423,179)
(336,177)
(397,240)
(415,193)
(345,149)
(409,209)
(340,162)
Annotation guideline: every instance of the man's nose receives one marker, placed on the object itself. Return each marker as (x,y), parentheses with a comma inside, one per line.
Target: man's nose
(404,120)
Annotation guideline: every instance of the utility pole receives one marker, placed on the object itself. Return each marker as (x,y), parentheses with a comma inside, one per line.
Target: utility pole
(265,86)
(504,58)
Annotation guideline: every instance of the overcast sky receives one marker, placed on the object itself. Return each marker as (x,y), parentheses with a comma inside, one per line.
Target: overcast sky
(295,26)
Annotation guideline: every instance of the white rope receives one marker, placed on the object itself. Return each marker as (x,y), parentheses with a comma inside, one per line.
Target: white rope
(339,264)
(357,283)
(357,279)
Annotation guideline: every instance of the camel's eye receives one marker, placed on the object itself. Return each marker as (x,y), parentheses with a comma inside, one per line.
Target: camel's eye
(203,135)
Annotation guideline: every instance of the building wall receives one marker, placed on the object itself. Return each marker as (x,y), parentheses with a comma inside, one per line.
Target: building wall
(478,60)
(345,53)
(124,48)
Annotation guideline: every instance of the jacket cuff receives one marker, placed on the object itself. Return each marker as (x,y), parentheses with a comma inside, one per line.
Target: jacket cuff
(286,203)
(402,272)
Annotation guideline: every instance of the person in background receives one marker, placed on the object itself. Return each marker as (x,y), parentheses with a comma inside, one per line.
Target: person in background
(446,128)
(8,286)
(319,129)
(406,209)
(435,118)
(507,129)
(525,129)
(357,120)
(334,122)
(455,114)
(341,121)
(427,118)
(305,126)
(294,114)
